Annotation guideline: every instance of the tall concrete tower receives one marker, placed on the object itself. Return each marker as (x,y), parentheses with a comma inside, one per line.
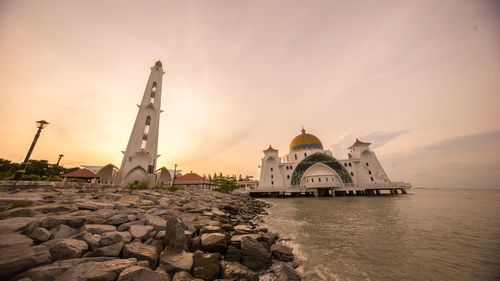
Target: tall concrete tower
(139,160)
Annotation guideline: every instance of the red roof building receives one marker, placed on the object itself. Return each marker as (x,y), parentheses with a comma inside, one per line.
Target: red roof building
(84,174)
(193,180)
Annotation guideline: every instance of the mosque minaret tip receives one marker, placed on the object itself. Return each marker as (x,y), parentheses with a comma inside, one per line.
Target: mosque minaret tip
(139,159)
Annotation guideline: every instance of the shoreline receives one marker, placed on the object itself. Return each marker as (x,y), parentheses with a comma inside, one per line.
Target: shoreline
(119,233)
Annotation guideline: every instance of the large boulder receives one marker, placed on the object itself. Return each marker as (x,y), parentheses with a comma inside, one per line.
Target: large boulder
(69,220)
(282,252)
(68,249)
(214,242)
(141,252)
(102,271)
(172,261)
(254,255)
(138,273)
(16,259)
(40,234)
(63,231)
(237,271)
(206,266)
(14,240)
(175,238)
(51,271)
(233,254)
(285,272)
(14,224)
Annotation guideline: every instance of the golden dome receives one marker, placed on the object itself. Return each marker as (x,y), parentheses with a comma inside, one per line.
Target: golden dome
(305,141)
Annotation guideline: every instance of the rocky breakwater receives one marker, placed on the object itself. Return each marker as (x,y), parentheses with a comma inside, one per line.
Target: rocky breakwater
(123,234)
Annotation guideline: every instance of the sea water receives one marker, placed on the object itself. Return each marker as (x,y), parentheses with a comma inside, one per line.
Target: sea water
(428,234)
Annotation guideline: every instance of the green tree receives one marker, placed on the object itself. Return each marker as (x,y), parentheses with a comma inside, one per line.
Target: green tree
(226,184)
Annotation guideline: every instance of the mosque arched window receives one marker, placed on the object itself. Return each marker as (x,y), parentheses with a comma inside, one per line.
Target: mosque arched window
(153,93)
(146,132)
(371,178)
(271,169)
(272,176)
(345,164)
(367,165)
(352,174)
(272,182)
(369,172)
(295,156)
(326,179)
(305,154)
(312,180)
(288,177)
(319,179)
(350,164)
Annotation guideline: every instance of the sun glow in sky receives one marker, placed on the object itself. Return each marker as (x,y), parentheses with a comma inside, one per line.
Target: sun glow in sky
(418,79)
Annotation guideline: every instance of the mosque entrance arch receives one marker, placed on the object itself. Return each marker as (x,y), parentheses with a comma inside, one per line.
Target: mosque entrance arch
(319,158)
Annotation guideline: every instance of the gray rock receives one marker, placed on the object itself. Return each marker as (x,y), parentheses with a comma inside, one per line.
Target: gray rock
(175,238)
(184,276)
(14,224)
(14,240)
(63,231)
(40,234)
(16,259)
(68,249)
(141,252)
(254,255)
(99,228)
(72,221)
(157,222)
(118,219)
(284,272)
(102,271)
(172,261)
(243,229)
(127,225)
(233,254)
(210,229)
(91,240)
(206,266)
(112,250)
(17,212)
(140,231)
(214,242)
(51,271)
(237,271)
(109,238)
(282,252)
(137,273)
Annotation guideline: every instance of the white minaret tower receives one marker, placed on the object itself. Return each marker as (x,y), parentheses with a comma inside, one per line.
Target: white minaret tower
(139,160)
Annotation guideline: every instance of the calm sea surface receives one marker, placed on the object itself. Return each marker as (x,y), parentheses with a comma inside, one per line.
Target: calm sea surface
(430,234)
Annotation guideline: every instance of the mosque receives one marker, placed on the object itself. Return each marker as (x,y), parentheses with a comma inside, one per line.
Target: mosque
(309,169)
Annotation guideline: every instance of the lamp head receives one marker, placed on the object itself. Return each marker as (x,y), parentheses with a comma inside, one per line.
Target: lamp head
(41,124)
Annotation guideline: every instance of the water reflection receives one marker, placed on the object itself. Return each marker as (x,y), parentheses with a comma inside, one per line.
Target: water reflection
(426,236)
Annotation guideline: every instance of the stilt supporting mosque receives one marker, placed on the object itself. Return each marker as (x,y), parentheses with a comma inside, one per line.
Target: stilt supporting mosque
(328,192)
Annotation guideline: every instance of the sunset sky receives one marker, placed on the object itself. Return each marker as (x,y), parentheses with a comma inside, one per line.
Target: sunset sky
(418,79)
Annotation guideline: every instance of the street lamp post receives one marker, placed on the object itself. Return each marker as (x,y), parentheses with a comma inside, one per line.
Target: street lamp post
(19,173)
(175,174)
(59,160)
